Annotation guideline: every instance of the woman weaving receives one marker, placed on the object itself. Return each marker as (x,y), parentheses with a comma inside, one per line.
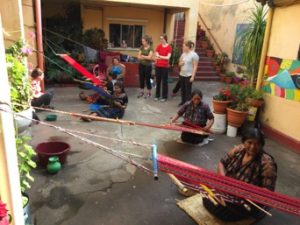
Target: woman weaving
(246,162)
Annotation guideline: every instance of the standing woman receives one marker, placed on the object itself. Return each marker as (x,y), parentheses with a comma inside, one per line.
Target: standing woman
(145,67)
(188,63)
(163,53)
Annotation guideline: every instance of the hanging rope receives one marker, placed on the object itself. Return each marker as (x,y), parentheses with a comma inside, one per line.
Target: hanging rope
(118,154)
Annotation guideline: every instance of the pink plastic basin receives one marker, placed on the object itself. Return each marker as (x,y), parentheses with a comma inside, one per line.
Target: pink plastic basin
(54,148)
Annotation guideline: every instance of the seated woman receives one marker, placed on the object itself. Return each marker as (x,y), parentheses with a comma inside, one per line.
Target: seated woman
(247,162)
(117,68)
(196,114)
(116,107)
(40,99)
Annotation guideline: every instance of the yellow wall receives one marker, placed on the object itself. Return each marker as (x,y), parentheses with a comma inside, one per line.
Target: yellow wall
(92,17)
(222,22)
(281,114)
(12,20)
(29,26)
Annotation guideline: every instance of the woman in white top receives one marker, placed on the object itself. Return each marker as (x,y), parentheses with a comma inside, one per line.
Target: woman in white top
(188,63)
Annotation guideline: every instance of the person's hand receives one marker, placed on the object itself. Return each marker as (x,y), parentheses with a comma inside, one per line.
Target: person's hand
(239,147)
(192,79)
(206,129)
(173,120)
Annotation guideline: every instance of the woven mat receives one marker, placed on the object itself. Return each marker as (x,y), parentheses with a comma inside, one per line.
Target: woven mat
(194,208)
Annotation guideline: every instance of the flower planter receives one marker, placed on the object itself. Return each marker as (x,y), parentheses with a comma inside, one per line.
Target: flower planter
(23,123)
(220,106)
(236,118)
(204,44)
(210,53)
(219,126)
(26,209)
(228,80)
(255,102)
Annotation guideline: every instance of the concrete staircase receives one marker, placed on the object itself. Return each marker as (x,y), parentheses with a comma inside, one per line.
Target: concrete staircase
(205,71)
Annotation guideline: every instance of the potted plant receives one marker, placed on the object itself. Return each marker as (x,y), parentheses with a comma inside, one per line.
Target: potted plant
(228,77)
(20,87)
(204,42)
(210,50)
(251,42)
(221,101)
(256,98)
(237,111)
(26,164)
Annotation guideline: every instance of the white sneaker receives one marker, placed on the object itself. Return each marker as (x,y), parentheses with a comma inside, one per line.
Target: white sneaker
(163,100)
(156,99)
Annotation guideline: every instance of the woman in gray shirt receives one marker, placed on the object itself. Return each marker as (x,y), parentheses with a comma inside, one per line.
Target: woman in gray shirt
(188,63)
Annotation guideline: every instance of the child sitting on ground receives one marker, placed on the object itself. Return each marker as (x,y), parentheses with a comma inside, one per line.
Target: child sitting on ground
(116,107)
(40,99)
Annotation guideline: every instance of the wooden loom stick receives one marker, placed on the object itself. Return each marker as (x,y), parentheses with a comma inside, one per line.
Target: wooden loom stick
(127,122)
(258,207)
(178,183)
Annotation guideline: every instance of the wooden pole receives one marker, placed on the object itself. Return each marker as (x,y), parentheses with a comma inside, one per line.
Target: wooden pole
(264,51)
(10,190)
(39,37)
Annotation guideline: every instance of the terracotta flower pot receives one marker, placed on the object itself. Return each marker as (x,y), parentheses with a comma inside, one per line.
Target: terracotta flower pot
(210,53)
(228,80)
(204,44)
(236,118)
(220,106)
(255,102)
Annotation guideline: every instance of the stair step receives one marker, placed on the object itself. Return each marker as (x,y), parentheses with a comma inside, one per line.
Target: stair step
(206,67)
(207,78)
(206,73)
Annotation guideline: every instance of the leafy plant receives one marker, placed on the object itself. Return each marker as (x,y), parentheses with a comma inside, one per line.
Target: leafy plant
(223,95)
(174,59)
(251,41)
(210,46)
(239,96)
(25,162)
(229,74)
(95,38)
(20,87)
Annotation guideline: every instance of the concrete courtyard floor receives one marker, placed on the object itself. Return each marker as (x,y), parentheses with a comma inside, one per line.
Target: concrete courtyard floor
(95,188)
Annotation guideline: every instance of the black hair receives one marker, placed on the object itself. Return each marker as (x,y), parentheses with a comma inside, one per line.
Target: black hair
(197,92)
(253,133)
(36,73)
(189,44)
(120,85)
(117,58)
(112,75)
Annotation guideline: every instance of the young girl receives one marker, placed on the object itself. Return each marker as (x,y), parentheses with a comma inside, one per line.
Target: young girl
(116,107)
(163,53)
(145,67)
(188,63)
(40,99)
(196,114)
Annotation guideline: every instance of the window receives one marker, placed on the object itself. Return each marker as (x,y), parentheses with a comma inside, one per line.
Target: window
(125,36)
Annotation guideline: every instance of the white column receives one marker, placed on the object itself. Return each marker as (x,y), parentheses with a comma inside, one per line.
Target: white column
(10,190)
